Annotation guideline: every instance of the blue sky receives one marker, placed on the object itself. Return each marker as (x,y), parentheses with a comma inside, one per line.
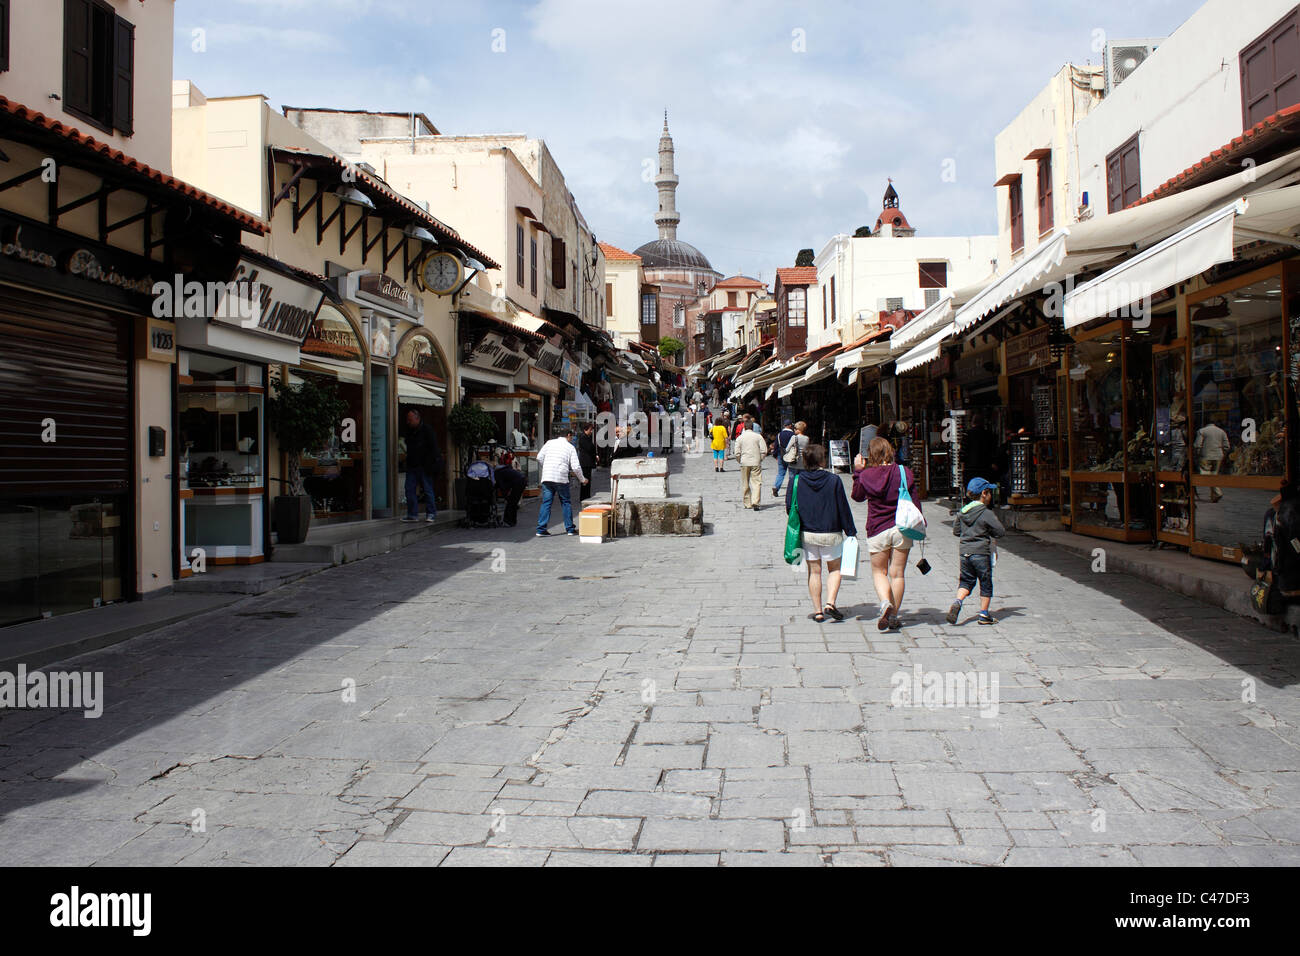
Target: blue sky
(777,148)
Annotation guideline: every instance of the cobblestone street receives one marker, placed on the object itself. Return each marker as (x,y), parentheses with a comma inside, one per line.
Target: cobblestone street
(669,701)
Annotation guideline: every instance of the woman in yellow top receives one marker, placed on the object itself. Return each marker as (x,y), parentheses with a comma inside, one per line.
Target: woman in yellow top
(719,433)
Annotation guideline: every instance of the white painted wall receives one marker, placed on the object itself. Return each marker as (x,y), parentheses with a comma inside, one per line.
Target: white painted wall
(35,73)
(1184,101)
(1047,121)
(869,269)
(624,275)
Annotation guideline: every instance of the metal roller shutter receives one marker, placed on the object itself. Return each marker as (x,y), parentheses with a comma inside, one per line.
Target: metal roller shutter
(70,363)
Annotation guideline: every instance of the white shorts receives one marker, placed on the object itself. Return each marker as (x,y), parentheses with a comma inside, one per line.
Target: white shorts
(892,538)
(823,545)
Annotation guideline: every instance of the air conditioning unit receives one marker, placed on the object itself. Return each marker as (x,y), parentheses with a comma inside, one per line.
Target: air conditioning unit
(1122,57)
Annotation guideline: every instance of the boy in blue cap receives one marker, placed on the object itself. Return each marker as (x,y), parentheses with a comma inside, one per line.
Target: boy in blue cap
(976,525)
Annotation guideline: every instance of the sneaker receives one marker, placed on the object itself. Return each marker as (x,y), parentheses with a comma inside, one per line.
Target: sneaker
(409,518)
(431,518)
(885,615)
(894,622)
(543,534)
(985,618)
(572,531)
(954,612)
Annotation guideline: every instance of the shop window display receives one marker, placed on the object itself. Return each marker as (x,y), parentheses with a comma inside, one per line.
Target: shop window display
(1096,404)
(222,482)
(1237,369)
(334,475)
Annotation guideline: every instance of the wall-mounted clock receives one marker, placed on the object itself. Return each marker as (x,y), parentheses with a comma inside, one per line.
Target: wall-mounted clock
(441,272)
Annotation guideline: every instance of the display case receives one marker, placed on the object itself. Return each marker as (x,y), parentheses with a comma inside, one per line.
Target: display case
(1112,459)
(1063,446)
(1237,446)
(1173,490)
(221,484)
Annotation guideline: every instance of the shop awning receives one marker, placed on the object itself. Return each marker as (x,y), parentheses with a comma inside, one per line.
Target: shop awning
(924,353)
(1187,253)
(864,356)
(816,376)
(926,323)
(429,394)
(1051,262)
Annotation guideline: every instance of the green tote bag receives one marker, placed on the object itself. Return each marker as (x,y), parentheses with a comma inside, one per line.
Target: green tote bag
(794,527)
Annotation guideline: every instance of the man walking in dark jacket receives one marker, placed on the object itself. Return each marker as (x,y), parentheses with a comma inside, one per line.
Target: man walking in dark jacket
(587,448)
(423,459)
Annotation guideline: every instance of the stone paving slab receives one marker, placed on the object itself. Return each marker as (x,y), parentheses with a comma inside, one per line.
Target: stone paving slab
(670,702)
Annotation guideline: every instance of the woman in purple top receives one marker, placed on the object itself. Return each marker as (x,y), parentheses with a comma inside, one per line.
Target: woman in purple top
(877,480)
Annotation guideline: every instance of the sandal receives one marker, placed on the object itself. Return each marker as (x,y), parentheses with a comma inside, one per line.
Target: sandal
(819,617)
(834,612)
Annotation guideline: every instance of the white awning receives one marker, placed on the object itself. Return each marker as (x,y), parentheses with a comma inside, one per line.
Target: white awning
(853,376)
(925,323)
(927,351)
(1052,261)
(1187,253)
(865,356)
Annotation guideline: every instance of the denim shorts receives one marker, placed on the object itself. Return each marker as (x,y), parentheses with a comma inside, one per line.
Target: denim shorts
(977,566)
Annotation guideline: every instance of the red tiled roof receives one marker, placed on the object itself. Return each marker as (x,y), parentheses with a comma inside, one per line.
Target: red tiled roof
(614,252)
(394,197)
(797,275)
(71,134)
(870,337)
(739,282)
(1277,130)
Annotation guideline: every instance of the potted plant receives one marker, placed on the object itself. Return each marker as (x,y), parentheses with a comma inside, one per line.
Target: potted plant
(301,416)
(469,427)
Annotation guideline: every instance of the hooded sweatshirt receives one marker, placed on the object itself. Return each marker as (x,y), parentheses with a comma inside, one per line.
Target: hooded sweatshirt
(823,506)
(976,525)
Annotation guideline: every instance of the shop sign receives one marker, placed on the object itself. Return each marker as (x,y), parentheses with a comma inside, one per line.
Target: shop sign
(971,368)
(550,359)
(570,374)
(155,339)
(378,289)
(74,264)
(275,304)
(1028,351)
(543,380)
(492,353)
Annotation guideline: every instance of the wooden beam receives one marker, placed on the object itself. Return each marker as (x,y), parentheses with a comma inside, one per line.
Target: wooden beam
(21,178)
(345,236)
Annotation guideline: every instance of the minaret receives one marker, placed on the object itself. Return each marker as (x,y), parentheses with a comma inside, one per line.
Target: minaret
(667,217)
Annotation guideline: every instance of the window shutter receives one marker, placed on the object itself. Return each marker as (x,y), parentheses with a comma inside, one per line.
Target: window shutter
(1114,184)
(4,35)
(932,275)
(123,76)
(519,256)
(76,55)
(559,274)
(1270,71)
(1044,195)
(1016,196)
(1131,174)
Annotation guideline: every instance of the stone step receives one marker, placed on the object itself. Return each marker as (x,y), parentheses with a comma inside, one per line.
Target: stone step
(342,543)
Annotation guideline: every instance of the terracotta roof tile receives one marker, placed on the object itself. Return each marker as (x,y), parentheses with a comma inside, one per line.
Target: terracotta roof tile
(614,252)
(739,282)
(71,134)
(797,275)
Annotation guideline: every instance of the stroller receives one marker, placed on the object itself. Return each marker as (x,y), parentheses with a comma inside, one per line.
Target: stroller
(480,497)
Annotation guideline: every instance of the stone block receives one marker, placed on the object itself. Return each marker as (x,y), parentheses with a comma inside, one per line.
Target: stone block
(660,516)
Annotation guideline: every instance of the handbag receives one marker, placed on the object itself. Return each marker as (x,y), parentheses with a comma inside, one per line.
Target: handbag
(849,558)
(791,454)
(794,527)
(908,518)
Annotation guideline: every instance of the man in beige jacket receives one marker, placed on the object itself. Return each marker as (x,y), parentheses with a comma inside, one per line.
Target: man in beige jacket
(750,449)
